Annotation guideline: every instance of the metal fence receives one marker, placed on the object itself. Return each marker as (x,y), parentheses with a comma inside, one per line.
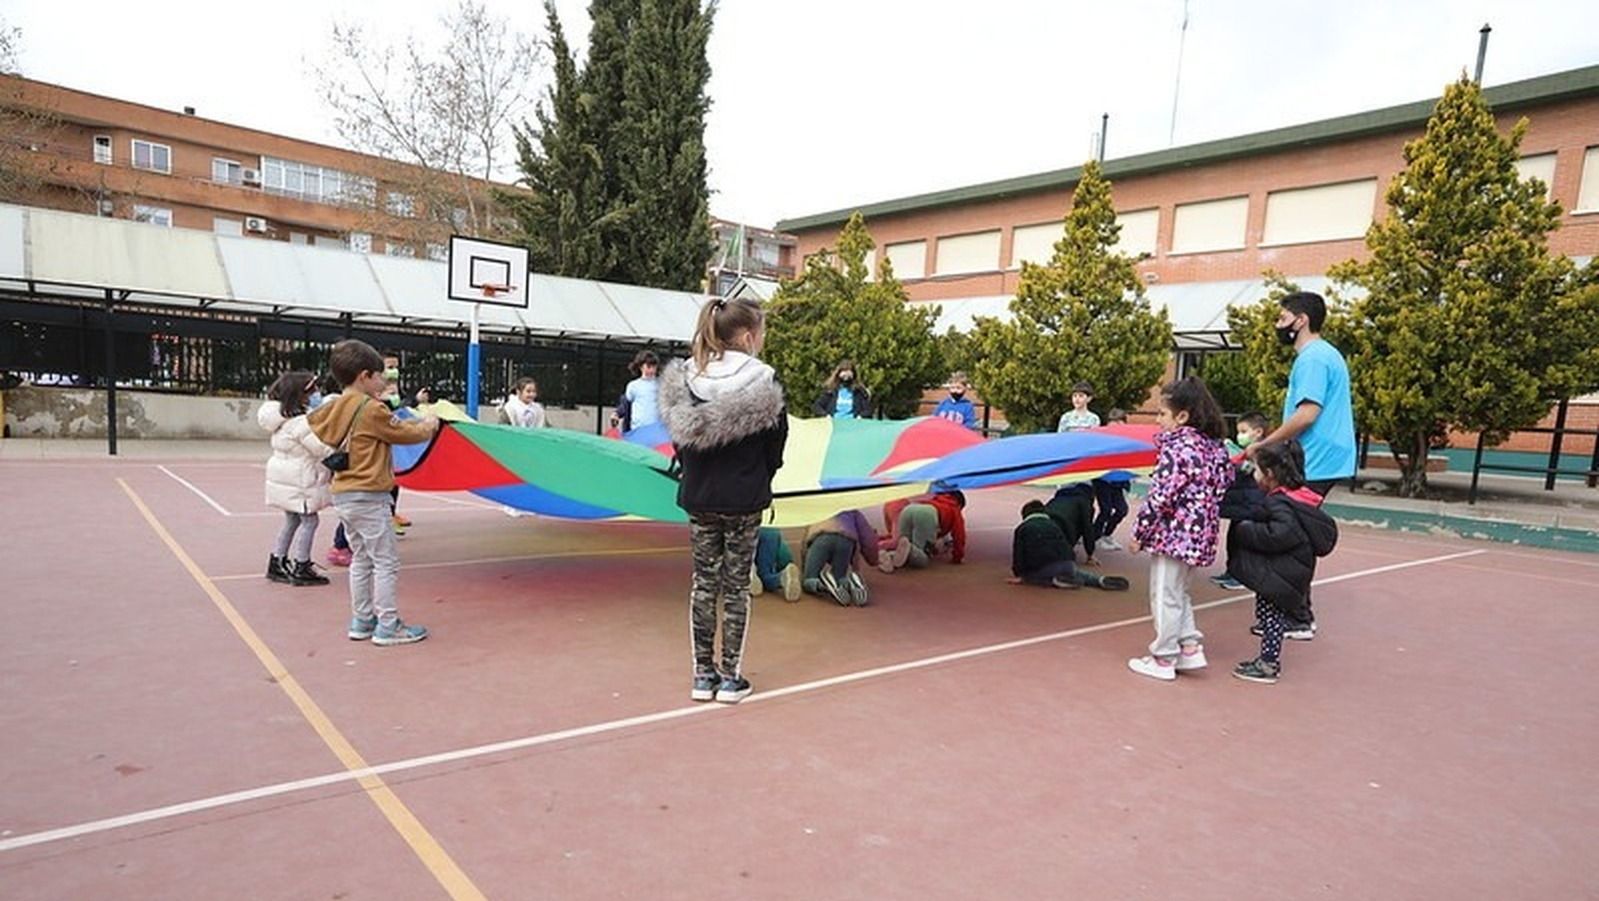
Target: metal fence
(1552,470)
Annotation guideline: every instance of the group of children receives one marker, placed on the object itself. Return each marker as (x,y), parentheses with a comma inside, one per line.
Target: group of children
(727,418)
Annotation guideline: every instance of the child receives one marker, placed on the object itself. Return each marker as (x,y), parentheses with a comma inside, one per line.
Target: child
(396,399)
(725,413)
(830,549)
(957,407)
(915,526)
(1041,555)
(1178,522)
(359,423)
(640,404)
(1072,508)
(774,566)
(1079,416)
(522,408)
(296,480)
(842,397)
(1243,497)
(1110,496)
(1276,553)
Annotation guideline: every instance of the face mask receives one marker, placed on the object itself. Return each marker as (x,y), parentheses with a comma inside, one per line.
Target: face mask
(1287,334)
(1245,440)
(315,400)
(846,378)
(957,395)
(392,375)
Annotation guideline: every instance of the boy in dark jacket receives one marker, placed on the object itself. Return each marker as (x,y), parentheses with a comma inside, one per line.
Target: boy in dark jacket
(1041,555)
(1072,508)
(1276,553)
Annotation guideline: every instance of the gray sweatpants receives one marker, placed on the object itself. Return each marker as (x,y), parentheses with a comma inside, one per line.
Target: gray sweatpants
(1170,606)
(375,555)
(299,528)
(918,524)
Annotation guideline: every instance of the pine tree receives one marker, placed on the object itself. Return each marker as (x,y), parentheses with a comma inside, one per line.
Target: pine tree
(832,312)
(662,143)
(1467,322)
(1080,317)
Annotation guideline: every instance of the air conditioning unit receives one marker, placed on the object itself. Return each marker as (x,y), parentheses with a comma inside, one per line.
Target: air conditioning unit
(252,177)
(255,224)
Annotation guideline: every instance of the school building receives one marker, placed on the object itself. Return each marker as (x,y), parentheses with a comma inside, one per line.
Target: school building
(1209,218)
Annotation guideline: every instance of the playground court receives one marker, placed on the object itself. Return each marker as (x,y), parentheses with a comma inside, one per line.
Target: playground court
(178,727)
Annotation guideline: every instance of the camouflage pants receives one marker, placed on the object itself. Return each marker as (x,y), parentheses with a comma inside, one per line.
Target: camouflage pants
(724,549)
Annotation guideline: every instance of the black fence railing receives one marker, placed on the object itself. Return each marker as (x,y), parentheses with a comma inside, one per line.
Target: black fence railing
(1552,470)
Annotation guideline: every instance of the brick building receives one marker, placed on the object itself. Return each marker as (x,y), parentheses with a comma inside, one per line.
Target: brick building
(66,149)
(1217,214)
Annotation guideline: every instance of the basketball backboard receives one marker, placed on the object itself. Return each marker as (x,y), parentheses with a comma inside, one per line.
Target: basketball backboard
(488,272)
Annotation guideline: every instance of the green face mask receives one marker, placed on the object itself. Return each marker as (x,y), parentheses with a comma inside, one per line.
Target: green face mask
(1245,440)
(392,375)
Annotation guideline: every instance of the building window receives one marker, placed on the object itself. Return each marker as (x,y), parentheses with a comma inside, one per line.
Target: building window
(360,242)
(908,259)
(1323,213)
(317,184)
(1588,192)
(154,215)
(154,157)
(1034,243)
(394,249)
(968,253)
(1138,231)
(1210,225)
(438,253)
(102,149)
(401,204)
(226,172)
(1541,167)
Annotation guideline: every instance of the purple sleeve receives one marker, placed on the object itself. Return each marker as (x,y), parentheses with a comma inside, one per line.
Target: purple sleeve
(865,535)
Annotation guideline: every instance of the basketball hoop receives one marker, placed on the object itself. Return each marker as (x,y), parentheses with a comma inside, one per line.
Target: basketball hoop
(490,291)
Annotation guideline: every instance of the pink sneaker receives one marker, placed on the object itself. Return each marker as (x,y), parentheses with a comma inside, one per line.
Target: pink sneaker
(338,557)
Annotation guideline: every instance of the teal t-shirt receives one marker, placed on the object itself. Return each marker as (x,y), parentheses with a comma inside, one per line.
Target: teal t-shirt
(1321,376)
(845,407)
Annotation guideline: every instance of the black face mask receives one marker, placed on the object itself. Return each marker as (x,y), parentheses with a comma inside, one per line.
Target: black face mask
(845,379)
(1287,334)
(957,395)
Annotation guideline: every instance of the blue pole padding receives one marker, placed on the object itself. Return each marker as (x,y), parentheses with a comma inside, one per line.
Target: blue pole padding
(473,356)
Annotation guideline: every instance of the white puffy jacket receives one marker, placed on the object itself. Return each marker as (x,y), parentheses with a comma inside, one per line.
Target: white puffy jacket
(296,480)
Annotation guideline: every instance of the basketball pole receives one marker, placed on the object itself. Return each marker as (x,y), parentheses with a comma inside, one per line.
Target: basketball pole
(474,352)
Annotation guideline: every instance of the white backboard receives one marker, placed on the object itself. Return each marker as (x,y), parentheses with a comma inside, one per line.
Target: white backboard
(503,268)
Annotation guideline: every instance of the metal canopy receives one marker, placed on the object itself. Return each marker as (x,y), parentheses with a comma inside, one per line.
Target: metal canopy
(70,255)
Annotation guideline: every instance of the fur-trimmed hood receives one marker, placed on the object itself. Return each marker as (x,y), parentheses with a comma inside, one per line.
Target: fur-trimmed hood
(734,397)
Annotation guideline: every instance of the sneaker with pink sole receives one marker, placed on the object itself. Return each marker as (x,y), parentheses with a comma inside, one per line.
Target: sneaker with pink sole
(1190,659)
(1154,668)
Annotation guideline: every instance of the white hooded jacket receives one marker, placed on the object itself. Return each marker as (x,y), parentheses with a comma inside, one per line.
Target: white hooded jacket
(296,480)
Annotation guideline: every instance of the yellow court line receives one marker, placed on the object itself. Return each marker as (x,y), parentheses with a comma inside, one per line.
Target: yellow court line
(432,854)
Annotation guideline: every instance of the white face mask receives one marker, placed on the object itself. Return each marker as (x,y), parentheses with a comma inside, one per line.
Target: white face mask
(314,401)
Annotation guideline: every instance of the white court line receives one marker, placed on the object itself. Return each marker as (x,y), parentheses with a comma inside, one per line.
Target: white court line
(283,788)
(552,555)
(203,496)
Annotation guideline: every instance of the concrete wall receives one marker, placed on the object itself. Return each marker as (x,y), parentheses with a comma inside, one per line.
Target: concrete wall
(33,412)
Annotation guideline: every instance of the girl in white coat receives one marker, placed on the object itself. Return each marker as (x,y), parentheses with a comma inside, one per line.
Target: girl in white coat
(296,481)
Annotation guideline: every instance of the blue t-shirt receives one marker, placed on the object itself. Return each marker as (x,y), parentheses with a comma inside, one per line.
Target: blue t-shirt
(1321,376)
(962,411)
(844,407)
(642,394)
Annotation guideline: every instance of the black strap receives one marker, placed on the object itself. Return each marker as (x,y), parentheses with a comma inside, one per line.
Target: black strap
(344,444)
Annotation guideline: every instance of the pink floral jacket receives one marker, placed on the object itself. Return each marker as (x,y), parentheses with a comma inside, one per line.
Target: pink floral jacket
(1181,516)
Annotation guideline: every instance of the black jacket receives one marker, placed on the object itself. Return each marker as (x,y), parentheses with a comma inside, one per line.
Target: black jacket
(1243,497)
(1072,508)
(1275,553)
(1037,542)
(728,427)
(829,399)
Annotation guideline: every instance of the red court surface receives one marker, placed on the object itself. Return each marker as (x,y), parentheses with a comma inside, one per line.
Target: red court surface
(959,738)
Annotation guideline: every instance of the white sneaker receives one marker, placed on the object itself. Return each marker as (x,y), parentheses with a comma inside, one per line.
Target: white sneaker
(901,552)
(1191,660)
(1153,667)
(791,583)
(1109,544)
(1302,633)
(757,588)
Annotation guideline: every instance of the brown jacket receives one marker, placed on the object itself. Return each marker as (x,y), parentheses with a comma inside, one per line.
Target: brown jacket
(371,439)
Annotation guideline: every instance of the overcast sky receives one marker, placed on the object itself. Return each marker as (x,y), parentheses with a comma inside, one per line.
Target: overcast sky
(824,104)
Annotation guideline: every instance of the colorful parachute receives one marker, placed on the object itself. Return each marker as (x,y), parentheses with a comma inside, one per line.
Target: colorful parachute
(829,465)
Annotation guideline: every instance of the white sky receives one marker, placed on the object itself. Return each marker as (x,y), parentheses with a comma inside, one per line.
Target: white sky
(824,104)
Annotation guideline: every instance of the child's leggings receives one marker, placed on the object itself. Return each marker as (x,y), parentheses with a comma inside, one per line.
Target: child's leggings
(1272,625)
(1112,500)
(724,549)
(832,550)
(299,528)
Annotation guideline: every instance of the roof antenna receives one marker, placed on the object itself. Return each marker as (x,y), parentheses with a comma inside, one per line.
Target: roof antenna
(1182,39)
(1482,51)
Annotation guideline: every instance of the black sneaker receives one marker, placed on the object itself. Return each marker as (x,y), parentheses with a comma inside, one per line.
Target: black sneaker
(1257,630)
(1300,631)
(705,685)
(832,589)
(733,689)
(1264,671)
(278,570)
